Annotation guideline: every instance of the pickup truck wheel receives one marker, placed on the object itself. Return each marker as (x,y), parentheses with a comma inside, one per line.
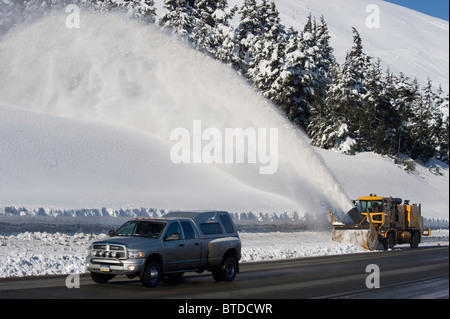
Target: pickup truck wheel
(227,271)
(101,278)
(152,275)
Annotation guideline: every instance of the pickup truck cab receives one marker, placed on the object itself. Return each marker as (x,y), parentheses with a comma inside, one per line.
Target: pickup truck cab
(152,248)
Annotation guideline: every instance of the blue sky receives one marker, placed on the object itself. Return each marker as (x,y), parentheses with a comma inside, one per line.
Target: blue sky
(435,8)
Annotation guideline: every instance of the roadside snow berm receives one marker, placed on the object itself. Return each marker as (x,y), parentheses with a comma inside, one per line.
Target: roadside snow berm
(384,220)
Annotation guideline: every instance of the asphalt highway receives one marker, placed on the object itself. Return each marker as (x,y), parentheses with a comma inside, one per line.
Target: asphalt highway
(405,273)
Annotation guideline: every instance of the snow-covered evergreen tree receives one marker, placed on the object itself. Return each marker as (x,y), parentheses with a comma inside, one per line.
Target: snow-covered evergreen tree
(354,73)
(324,60)
(179,17)
(288,81)
(249,27)
(345,100)
(222,36)
(329,126)
(266,62)
(139,9)
(441,129)
(374,104)
(309,74)
(401,96)
(422,125)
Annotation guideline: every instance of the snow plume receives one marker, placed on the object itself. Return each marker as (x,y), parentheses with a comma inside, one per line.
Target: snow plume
(114,72)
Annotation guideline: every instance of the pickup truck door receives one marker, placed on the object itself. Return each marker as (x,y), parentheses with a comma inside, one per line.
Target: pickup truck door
(193,246)
(174,248)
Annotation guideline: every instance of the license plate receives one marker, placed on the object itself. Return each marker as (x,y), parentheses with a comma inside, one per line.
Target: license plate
(105,268)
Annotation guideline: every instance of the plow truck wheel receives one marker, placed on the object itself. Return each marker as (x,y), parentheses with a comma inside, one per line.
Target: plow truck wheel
(390,240)
(372,239)
(415,240)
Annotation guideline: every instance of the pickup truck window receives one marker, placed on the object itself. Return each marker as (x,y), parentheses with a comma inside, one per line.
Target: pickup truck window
(188,230)
(148,229)
(211,228)
(225,219)
(173,229)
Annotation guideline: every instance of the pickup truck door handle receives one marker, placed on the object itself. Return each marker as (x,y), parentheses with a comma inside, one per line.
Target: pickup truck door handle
(197,244)
(181,245)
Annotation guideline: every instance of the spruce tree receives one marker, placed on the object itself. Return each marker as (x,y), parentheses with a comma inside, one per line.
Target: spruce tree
(222,36)
(354,74)
(179,18)
(308,76)
(289,79)
(249,27)
(373,125)
(329,125)
(324,60)
(345,98)
(401,95)
(265,65)
(441,129)
(423,147)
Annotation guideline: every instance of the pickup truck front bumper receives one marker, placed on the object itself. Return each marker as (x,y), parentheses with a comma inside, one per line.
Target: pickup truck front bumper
(112,266)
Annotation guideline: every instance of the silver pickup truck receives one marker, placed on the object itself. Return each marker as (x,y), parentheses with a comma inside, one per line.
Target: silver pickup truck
(152,248)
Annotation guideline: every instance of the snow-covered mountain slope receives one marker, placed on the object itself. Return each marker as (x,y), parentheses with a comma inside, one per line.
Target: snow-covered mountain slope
(407,41)
(113,91)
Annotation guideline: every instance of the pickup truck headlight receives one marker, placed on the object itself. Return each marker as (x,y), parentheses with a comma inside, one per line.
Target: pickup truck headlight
(135,254)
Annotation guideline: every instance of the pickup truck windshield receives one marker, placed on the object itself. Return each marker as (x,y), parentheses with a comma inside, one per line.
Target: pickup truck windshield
(149,229)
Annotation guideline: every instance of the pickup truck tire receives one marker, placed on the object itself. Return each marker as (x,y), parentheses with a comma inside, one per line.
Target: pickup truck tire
(227,271)
(101,278)
(151,276)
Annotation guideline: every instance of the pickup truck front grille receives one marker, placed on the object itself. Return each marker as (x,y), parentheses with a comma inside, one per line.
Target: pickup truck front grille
(109,251)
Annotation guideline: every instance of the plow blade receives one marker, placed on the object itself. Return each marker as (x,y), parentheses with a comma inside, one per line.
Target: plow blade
(365,236)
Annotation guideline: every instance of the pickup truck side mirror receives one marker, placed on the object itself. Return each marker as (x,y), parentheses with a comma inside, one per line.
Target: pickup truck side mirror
(111,233)
(174,236)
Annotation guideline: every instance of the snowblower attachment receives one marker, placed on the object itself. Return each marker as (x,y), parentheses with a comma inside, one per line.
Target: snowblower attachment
(362,232)
(381,219)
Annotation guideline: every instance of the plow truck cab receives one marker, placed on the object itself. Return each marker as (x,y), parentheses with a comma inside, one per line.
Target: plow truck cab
(385,220)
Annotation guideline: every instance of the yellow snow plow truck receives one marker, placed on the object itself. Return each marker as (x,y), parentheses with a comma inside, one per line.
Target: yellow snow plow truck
(384,220)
